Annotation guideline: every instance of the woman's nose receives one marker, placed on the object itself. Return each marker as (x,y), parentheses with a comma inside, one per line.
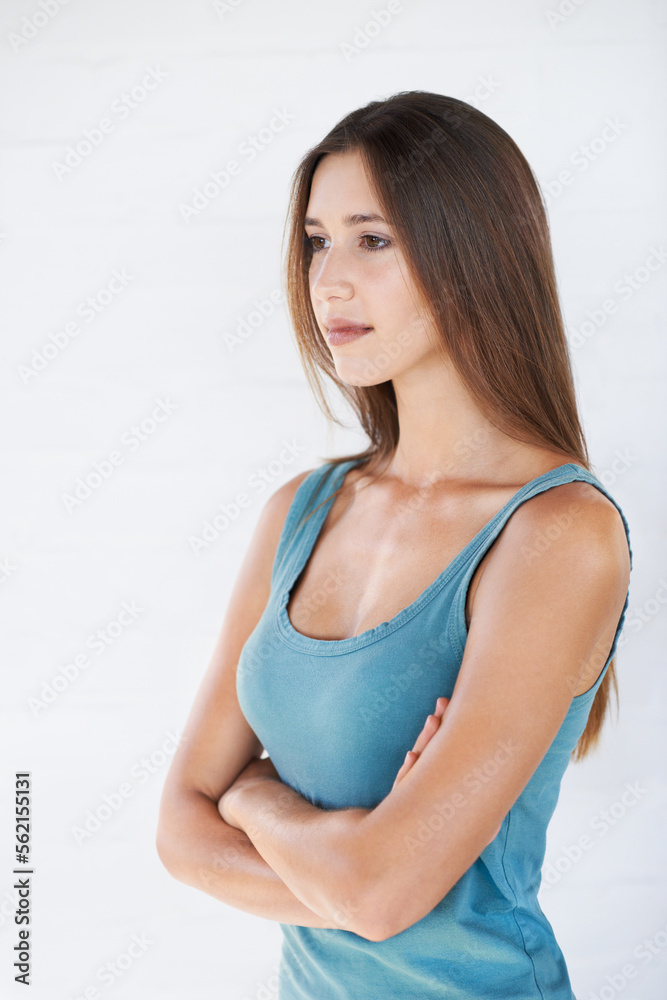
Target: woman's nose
(332,276)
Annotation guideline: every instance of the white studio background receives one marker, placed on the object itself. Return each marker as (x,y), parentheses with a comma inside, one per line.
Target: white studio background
(136,327)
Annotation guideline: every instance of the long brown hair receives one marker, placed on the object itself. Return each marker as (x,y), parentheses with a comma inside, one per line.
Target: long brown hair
(473,229)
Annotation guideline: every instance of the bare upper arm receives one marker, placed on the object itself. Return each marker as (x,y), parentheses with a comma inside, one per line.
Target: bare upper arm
(536,624)
(217,740)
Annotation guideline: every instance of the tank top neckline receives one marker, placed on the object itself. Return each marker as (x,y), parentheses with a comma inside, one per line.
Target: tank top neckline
(328,647)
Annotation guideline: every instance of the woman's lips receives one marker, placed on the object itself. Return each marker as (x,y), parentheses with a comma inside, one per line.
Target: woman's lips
(344,334)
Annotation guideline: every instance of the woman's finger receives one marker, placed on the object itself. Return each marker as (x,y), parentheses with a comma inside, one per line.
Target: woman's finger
(410,758)
(430,727)
(441,705)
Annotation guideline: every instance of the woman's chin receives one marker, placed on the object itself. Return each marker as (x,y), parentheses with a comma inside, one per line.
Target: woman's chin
(359,379)
(361,371)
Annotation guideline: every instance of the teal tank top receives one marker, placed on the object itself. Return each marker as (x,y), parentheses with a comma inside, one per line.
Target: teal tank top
(488,938)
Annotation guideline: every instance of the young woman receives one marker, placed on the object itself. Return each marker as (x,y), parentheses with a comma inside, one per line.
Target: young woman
(456,590)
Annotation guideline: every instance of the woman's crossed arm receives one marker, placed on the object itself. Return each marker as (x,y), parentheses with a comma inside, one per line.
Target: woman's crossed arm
(537,627)
(193,842)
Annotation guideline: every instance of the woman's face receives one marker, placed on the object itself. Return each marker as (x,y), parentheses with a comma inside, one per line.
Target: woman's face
(359,274)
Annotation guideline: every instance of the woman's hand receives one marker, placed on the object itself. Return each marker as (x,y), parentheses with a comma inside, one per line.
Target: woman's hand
(257,769)
(429,730)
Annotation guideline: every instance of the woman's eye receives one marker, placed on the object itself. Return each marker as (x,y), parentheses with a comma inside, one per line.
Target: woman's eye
(382,240)
(312,243)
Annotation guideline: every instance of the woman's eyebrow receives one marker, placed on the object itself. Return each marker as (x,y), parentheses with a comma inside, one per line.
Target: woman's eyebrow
(348,220)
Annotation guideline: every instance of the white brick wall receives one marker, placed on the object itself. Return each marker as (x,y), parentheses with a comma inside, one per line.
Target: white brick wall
(157,339)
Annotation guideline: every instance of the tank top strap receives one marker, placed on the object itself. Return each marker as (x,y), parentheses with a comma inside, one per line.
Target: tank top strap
(298,526)
(567,473)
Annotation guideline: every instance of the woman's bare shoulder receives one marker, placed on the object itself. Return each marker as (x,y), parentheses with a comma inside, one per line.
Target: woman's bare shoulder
(278,504)
(577,504)
(578,521)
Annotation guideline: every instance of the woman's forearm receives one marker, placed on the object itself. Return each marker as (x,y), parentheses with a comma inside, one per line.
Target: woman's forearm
(312,849)
(198,848)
